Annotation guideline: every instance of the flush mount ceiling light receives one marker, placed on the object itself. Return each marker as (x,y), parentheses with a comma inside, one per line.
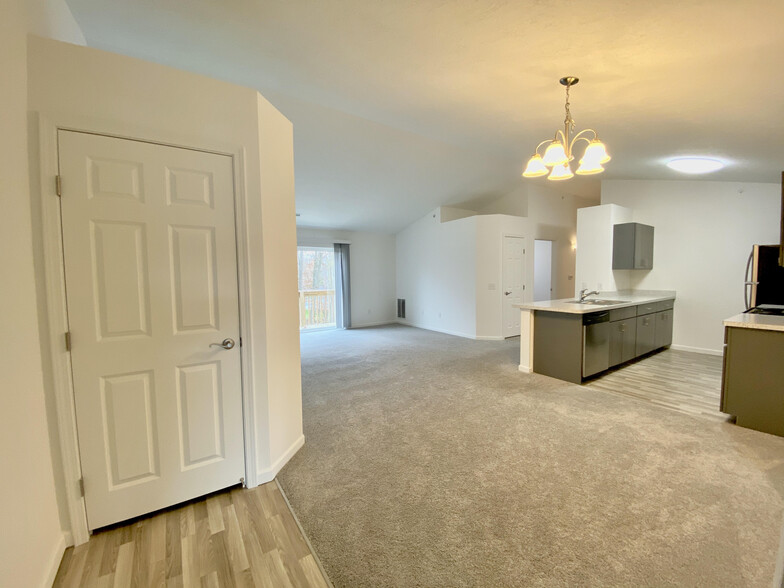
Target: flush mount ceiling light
(559,153)
(695,165)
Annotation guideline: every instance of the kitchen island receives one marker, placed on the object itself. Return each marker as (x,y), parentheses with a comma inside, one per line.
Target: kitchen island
(752,387)
(573,340)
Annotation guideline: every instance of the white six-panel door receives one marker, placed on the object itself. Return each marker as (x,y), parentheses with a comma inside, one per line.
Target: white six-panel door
(151,283)
(513,282)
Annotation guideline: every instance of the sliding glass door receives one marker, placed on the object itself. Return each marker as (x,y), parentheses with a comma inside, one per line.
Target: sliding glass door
(316,267)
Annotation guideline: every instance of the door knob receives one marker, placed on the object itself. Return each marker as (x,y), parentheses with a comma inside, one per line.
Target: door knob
(507,293)
(226,343)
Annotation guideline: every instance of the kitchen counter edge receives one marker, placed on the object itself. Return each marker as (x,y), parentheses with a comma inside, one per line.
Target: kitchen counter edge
(629,299)
(756,321)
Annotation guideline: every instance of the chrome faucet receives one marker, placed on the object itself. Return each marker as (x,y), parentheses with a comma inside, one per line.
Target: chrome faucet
(584,293)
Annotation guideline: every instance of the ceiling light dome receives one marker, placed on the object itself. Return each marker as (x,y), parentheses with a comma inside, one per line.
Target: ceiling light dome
(695,165)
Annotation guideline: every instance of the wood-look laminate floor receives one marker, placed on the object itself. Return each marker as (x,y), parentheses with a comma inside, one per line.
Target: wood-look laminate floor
(239,537)
(680,380)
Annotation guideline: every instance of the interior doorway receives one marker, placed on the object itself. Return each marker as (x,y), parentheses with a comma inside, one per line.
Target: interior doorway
(316,285)
(150,261)
(543,270)
(513,281)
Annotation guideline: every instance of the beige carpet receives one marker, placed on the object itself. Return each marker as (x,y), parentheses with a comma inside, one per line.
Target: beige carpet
(431,461)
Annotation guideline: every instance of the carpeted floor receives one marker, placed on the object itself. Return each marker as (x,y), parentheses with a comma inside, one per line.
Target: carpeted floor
(430,460)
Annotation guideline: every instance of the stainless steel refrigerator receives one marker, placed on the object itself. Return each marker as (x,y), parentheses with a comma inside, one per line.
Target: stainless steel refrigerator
(764,286)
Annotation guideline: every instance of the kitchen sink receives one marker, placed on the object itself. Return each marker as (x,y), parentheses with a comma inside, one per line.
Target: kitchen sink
(599,302)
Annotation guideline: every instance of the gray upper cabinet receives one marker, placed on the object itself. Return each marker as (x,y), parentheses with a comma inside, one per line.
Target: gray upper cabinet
(632,246)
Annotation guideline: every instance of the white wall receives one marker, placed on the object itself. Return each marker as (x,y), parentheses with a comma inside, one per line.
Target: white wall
(703,235)
(543,269)
(436,274)
(553,216)
(489,270)
(595,248)
(32,540)
(373,300)
(138,99)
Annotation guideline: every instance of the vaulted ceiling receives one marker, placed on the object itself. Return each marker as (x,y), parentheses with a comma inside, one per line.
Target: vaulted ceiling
(404,105)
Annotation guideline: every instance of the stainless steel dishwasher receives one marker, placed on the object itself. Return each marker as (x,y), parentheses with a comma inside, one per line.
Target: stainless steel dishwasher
(596,342)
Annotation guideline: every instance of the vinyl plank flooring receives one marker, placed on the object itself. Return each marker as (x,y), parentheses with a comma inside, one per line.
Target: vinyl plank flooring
(677,380)
(238,537)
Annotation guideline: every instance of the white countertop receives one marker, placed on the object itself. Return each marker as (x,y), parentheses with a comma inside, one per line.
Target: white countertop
(624,298)
(756,321)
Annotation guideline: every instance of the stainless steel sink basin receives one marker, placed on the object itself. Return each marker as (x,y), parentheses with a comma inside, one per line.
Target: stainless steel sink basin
(599,302)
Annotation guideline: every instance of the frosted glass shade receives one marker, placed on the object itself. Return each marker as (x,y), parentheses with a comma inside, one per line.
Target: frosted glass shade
(561,172)
(555,154)
(596,152)
(587,168)
(535,167)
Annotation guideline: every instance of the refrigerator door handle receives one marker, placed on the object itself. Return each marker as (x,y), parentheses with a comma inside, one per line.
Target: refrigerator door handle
(748,283)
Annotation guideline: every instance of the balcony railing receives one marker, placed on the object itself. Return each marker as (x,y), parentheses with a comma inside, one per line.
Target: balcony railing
(316,309)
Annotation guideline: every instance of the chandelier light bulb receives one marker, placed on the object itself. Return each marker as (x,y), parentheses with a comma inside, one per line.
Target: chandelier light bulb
(535,167)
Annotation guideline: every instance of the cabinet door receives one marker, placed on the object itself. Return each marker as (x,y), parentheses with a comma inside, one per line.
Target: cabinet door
(616,342)
(646,333)
(643,246)
(629,332)
(663,335)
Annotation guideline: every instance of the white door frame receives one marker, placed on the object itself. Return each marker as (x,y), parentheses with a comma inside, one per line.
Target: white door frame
(56,316)
(502,298)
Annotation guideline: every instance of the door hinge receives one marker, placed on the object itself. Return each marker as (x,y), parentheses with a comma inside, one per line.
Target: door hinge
(68,341)
(81,487)
(240,341)
(58,185)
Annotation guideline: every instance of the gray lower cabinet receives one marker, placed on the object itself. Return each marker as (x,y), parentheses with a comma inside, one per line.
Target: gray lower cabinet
(646,334)
(663,336)
(752,377)
(623,341)
(574,347)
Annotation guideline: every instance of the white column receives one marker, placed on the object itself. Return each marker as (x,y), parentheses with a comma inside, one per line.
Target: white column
(526,341)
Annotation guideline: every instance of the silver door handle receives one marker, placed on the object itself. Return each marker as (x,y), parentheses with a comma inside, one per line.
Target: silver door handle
(507,293)
(226,344)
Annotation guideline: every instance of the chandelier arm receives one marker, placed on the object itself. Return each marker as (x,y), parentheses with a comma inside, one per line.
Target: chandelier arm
(578,136)
(536,151)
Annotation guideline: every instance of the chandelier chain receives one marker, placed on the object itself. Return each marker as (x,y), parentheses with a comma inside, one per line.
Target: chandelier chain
(569,121)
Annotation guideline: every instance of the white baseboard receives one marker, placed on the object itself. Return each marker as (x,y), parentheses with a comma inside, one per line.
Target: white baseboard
(445,331)
(363,325)
(697,350)
(524,369)
(489,338)
(267,475)
(54,560)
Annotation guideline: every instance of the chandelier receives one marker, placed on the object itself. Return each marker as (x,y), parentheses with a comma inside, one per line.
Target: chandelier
(560,151)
